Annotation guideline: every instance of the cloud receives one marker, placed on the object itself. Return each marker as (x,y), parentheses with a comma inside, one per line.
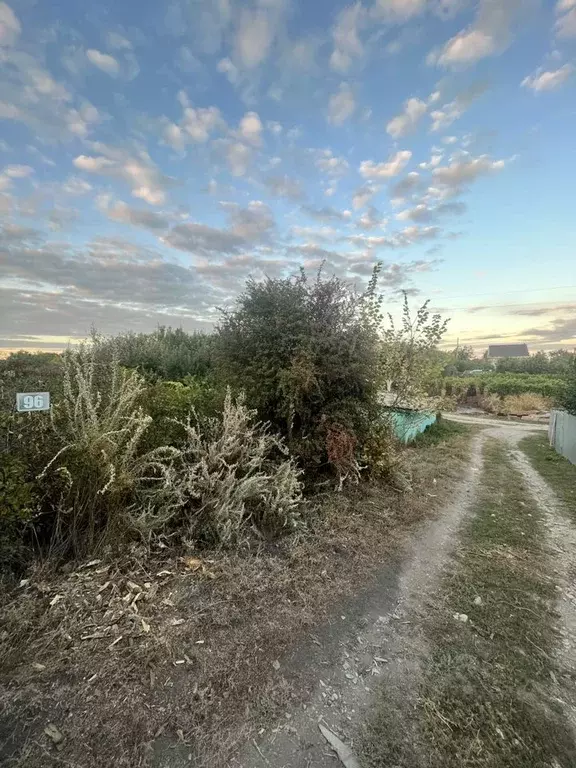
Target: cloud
(425,213)
(407,121)
(9,26)
(247,227)
(326,214)
(323,234)
(239,158)
(137,217)
(392,167)
(137,170)
(284,186)
(106,271)
(197,125)
(18,171)
(256,31)
(466,170)
(346,36)
(30,95)
(453,110)
(398,10)
(363,195)
(202,240)
(548,80)
(406,185)
(103,61)
(566,23)
(250,128)
(540,311)
(490,33)
(254,223)
(371,219)
(341,105)
(330,164)
(402,239)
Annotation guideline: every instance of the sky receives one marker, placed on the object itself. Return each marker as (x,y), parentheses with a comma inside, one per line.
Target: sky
(154,156)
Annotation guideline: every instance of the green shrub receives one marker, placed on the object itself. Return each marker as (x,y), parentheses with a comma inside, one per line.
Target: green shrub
(17,505)
(169,402)
(167,353)
(307,355)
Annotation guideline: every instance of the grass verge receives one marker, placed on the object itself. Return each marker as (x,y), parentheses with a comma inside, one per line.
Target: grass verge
(439,432)
(558,472)
(482,700)
(118,655)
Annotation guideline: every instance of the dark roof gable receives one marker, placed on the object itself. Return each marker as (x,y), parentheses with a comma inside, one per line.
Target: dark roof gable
(508,350)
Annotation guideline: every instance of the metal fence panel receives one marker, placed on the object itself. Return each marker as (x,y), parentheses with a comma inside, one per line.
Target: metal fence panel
(562,434)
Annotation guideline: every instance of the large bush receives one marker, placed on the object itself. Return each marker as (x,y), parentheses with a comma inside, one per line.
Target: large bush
(307,354)
(100,482)
(234,476)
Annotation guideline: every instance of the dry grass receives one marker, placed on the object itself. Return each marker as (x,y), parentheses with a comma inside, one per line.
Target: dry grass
(515,405)
(118,655)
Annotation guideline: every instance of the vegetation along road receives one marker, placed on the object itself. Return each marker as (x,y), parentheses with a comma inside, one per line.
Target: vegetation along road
(466,655)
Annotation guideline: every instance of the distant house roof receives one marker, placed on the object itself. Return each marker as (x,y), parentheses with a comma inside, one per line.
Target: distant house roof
(508,350)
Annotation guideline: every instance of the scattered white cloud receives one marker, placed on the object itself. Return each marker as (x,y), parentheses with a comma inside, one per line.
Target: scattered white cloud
(137,217)
(363,195)
(18,171)
(341,105)
(371,219)
(398,10)
(30,95)
(392,167)
(465,170)
(274,127)
(331,164)
(346,36)
(256,31)
(239,158)
(228,68)
(9,26)
(137,170)
(453,110)
(407,121)
(405,186)
(424,213)
(103,61)
(250,129)
(284,186)
(118,42)
(566,22)
(435,160)
(490,33)
(543,80)
(196,125)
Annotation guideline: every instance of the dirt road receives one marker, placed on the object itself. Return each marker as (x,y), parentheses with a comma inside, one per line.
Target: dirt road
(386,647)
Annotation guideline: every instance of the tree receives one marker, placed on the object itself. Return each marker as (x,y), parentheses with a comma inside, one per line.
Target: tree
(409,362)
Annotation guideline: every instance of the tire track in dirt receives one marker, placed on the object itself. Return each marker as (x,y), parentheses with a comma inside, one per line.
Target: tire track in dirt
(387,650)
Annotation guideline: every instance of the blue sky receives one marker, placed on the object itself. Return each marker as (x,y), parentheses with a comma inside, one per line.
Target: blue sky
(153,156)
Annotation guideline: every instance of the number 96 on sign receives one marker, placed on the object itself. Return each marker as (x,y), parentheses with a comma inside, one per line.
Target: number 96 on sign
(33,401)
